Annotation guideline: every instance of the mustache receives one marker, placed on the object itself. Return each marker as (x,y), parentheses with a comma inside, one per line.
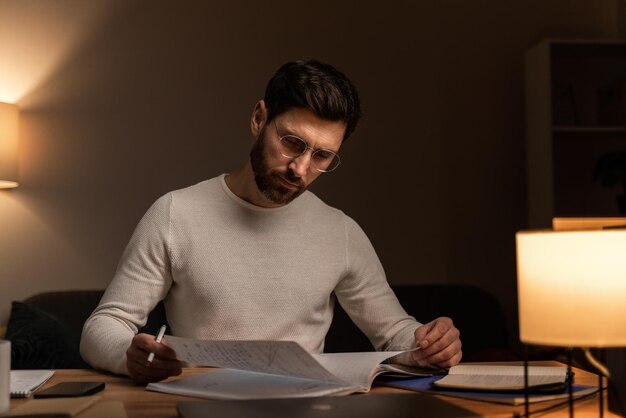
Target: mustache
(292,178)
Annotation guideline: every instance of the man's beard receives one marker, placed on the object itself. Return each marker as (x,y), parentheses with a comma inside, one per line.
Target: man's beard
(267,181)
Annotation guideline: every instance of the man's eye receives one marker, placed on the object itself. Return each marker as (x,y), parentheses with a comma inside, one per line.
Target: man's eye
(323,155)
(293,143)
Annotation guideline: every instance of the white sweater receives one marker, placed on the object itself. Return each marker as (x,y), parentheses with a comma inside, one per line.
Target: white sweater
(228,269)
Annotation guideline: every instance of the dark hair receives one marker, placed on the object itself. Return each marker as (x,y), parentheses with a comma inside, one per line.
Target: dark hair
(316,86)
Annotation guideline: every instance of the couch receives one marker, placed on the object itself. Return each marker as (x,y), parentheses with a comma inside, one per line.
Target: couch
(45,329)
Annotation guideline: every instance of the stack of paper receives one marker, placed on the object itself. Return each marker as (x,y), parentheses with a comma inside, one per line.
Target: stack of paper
(503,378)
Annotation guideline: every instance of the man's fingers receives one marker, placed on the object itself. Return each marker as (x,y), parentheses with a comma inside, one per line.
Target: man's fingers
(435,346)
(158,369)
(162,350)
(421,332)
(429,333)
(446,357)
(440,344)
(158,363)
(144,344)
(148,344)
(164,364)
(441,361)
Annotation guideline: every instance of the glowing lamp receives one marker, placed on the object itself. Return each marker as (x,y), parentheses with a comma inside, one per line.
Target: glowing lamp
(572,288)
(9,121)
(572,292)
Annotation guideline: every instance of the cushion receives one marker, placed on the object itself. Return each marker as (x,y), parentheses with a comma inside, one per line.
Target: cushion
(469,306)
(40,341)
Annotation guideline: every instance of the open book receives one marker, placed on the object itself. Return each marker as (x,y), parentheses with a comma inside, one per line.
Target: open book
(274,369)
(503,378)
(424,385)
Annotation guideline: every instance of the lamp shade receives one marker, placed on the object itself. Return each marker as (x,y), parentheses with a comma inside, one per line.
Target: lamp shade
(9,121)
(572,287)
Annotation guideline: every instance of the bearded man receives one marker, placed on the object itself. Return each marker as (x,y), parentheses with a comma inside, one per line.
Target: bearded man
(254,255)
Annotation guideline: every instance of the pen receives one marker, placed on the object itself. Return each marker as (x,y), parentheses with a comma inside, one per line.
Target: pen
(158,339)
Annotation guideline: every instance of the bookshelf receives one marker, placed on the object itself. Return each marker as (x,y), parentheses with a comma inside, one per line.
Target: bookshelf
(575,114)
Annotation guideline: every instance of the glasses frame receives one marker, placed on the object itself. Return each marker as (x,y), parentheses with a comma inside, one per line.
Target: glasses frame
(307,147)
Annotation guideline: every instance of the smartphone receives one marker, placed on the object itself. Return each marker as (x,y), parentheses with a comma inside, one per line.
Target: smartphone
(70,389)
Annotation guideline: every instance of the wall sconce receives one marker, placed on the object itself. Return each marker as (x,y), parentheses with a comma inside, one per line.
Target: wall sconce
(9,126)
(572,290)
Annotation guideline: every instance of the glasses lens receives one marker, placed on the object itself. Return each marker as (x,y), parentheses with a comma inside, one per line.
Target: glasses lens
(325,160)
(292,146)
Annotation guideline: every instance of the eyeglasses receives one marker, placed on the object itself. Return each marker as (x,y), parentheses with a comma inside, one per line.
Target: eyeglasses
(323,160)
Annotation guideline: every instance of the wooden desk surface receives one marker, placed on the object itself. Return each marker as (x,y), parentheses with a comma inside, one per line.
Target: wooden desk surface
(140,403)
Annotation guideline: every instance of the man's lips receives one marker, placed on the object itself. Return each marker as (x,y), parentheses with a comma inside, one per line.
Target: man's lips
(288,183)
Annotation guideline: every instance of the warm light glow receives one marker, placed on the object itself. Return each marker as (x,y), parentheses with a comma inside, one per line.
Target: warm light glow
(9,121)
(572,288)
(39,37)
(8,184)
(586,223)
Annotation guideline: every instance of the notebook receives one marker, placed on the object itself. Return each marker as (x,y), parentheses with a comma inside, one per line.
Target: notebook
(424,385)
(362,406)
(274,369)
(25,382)
(501,378)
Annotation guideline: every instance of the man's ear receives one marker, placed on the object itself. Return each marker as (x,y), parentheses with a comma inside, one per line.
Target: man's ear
(259,118)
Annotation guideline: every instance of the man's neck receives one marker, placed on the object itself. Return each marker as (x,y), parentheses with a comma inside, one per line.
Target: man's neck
(241,183)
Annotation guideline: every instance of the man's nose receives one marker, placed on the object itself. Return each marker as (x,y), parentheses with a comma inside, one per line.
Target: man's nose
(301,164)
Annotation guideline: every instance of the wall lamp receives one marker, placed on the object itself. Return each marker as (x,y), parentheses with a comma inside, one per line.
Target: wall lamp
(9,126)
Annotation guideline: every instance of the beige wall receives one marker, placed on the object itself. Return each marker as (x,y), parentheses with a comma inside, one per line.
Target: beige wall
(123,101)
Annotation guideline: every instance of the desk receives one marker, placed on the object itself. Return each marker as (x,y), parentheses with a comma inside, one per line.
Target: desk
(140,403)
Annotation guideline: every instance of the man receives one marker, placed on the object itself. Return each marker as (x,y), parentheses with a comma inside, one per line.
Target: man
(253,255)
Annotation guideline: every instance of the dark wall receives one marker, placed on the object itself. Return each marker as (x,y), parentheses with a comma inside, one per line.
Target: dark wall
(156,95)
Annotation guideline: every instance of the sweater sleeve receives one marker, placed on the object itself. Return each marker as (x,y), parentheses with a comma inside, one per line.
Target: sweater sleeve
(367,298)
(143,278)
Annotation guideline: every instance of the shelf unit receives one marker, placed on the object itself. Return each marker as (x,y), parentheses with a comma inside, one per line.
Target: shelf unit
(575,113)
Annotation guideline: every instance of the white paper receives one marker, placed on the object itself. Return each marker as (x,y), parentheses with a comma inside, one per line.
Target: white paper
(24,382)
(285,358)
(270,369)
(359,369)
(494,382)
(506,370)
(492,377)
(239,384)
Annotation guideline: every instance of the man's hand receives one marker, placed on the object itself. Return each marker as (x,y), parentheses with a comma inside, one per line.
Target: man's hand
(439,344)
(163,366)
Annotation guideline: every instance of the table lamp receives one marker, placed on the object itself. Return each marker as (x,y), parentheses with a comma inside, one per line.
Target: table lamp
(572,290)
(9,118)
